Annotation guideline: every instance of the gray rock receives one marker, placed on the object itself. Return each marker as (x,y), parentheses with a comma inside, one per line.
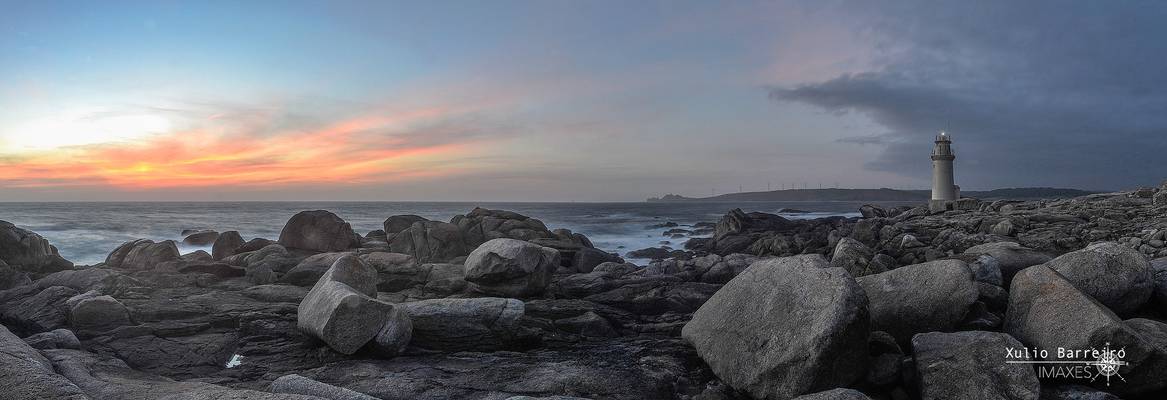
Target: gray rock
(201,238)
(98,314)
(103,377)
(1159,293)
(1003,228)
(784,327)
(511,268)
(309,270)
(27,310)
(54,339)
(1160,198)
(1144,346)
(480,324)
(1117,276)
(985,268)
(933,296)
(1012,257)
(1074,392)
(296,384)
(27,251)
(143,255)
(339,309)
(431,241)
(729,267)
(198,256)
(318,230)
(10,277)
(586,259)
(398,223)
(1047,311)
(276,293)
(26,375)
(968,365)
(83,280)
(394,335)
(835,394)
(855,257)
(872,211)
(226,245)
(219,269)
(587,324)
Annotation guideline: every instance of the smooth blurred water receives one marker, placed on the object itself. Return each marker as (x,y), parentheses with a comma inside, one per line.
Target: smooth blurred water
(86,232)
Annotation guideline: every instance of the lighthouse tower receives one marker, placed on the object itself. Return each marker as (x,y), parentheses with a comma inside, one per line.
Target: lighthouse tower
(943,187)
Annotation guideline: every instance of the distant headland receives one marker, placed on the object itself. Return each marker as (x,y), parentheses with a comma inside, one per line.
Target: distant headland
(882,194)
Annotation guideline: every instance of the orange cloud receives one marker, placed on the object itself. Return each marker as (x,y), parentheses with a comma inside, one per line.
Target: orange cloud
(377,148)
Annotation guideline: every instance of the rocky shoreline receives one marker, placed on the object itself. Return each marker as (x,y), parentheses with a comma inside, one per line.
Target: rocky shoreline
(898,304)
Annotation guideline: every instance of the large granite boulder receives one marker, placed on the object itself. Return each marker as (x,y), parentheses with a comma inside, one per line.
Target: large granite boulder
(310,269)
(431,241)
(480,225)
(1144,348)
(97,313)
(201,238)
(396,271)
(511,268)
(933,296)
(340,309)
(27,251)
(398,223)
(478,324)
(318,230)
(143,255)
(855,257)
(1117,276)
(784,327)
(738,222)
(226,245)
(1012,257)
(26,375)
(1046,310)
(969,365)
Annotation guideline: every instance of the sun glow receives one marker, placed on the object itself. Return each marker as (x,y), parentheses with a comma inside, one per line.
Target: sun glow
(82,127)
(131,154)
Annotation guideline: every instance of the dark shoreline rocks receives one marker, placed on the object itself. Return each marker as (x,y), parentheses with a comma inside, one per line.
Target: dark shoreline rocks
(912,304)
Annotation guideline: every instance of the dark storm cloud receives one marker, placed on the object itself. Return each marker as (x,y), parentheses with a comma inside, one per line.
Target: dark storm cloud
(1059,93)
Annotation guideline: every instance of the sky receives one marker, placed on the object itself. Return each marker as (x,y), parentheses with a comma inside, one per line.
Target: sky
(571,100)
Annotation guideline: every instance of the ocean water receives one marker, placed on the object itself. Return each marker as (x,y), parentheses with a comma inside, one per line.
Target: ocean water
(85,233)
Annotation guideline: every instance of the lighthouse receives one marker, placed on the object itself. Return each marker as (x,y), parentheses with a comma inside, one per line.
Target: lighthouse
(943,186)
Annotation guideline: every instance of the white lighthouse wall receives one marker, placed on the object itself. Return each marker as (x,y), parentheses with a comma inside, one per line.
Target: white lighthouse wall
(943,186)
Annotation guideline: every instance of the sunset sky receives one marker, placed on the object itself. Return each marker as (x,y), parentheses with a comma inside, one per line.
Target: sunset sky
(571,100)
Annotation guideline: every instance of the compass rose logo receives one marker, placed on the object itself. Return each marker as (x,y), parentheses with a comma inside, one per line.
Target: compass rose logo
(1108,364)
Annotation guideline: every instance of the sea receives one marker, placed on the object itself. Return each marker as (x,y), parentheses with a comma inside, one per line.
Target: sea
(86,233)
